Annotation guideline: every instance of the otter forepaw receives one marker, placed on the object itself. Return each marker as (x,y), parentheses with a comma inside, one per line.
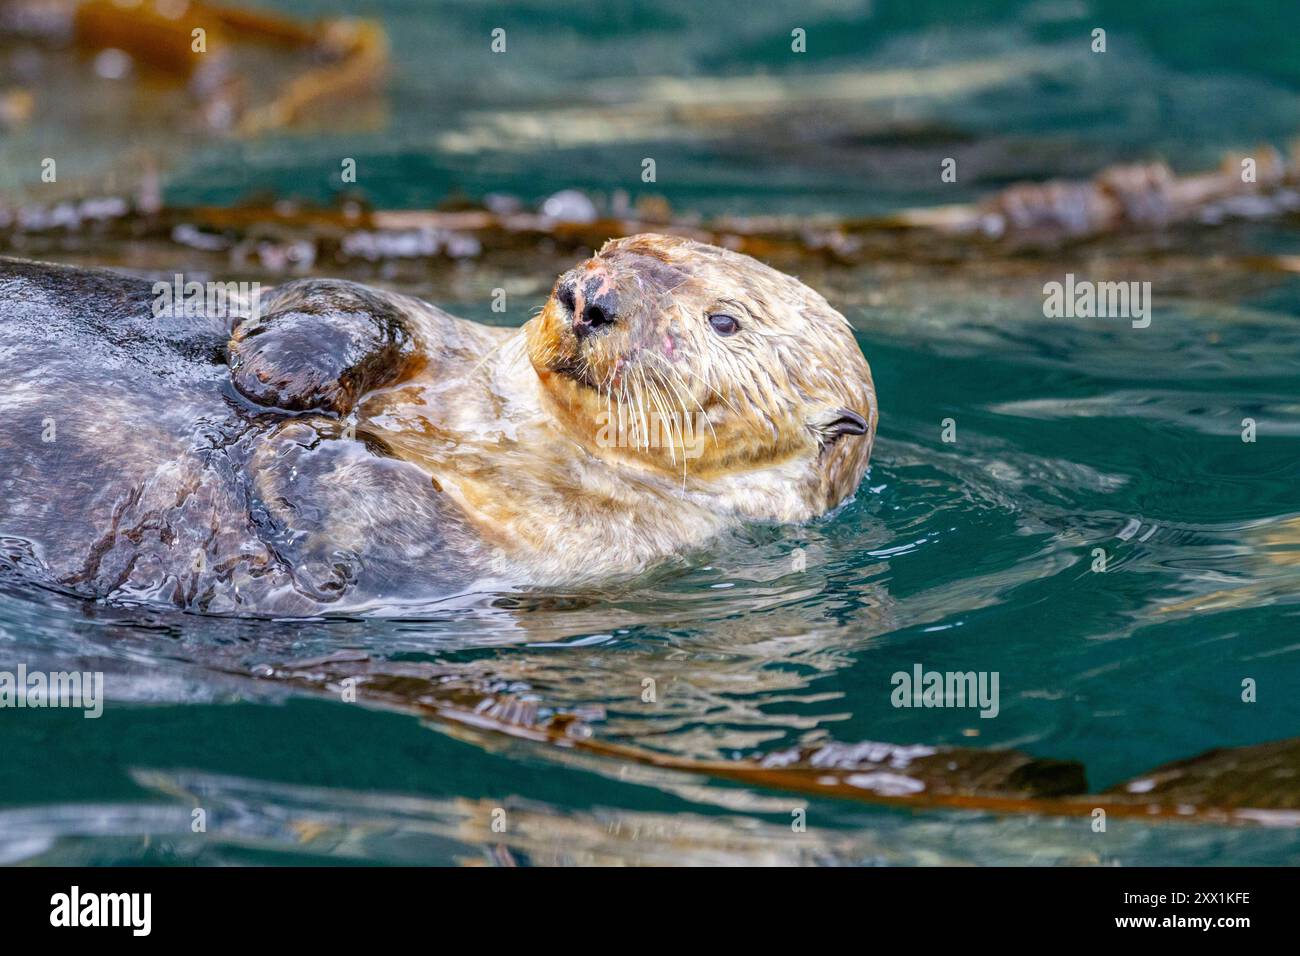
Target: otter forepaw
(321,347)
(289,366)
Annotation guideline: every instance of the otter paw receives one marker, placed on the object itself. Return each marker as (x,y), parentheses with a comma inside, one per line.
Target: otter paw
(320,348)
(294,365)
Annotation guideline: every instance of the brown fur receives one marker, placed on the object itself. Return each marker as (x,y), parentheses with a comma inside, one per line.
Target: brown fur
(530,467)
(352,448)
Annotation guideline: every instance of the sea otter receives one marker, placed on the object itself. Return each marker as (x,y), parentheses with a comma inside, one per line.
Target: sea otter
(345,448)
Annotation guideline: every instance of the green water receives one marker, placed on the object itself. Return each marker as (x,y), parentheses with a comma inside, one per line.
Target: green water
(973,554)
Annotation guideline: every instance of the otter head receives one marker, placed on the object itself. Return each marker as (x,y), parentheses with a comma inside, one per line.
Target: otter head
(708,365)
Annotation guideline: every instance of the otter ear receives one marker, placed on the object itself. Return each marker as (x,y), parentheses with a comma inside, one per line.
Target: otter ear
(838,423)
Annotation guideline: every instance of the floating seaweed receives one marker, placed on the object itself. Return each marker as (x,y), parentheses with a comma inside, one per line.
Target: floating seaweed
(1119,204)
(176,77)
(1254,785)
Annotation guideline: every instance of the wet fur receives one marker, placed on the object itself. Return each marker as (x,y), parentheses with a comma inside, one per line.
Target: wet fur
(353,448)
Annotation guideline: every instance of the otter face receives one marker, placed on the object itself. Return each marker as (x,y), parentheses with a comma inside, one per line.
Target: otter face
(703,362)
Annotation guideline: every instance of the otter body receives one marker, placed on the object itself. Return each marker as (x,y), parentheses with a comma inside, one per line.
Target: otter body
(344,448)
(132,469)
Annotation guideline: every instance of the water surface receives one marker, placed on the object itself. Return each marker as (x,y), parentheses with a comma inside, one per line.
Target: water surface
(973,554)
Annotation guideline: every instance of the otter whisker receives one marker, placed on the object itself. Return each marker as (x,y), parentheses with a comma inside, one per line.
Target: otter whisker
(717,394)
(749,425)
(634,410)
(656,397)
(655,430)
(681,428)
(520,350)
(515,342)
(626,428)
(640,407)
(678,384)
(695,435)
(679,419)
(681,437)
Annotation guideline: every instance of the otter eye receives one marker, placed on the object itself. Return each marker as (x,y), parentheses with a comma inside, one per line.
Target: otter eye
(724,324)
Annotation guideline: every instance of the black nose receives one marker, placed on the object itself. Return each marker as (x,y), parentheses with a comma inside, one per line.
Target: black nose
(595,317)
(598,311)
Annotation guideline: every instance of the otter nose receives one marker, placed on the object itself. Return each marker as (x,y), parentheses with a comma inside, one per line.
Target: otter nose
(592,309)
(595,317)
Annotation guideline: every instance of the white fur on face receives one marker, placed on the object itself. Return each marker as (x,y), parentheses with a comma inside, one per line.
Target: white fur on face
(758,398)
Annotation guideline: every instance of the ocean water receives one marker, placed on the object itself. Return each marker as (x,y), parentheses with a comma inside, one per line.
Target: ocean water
(976,553)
